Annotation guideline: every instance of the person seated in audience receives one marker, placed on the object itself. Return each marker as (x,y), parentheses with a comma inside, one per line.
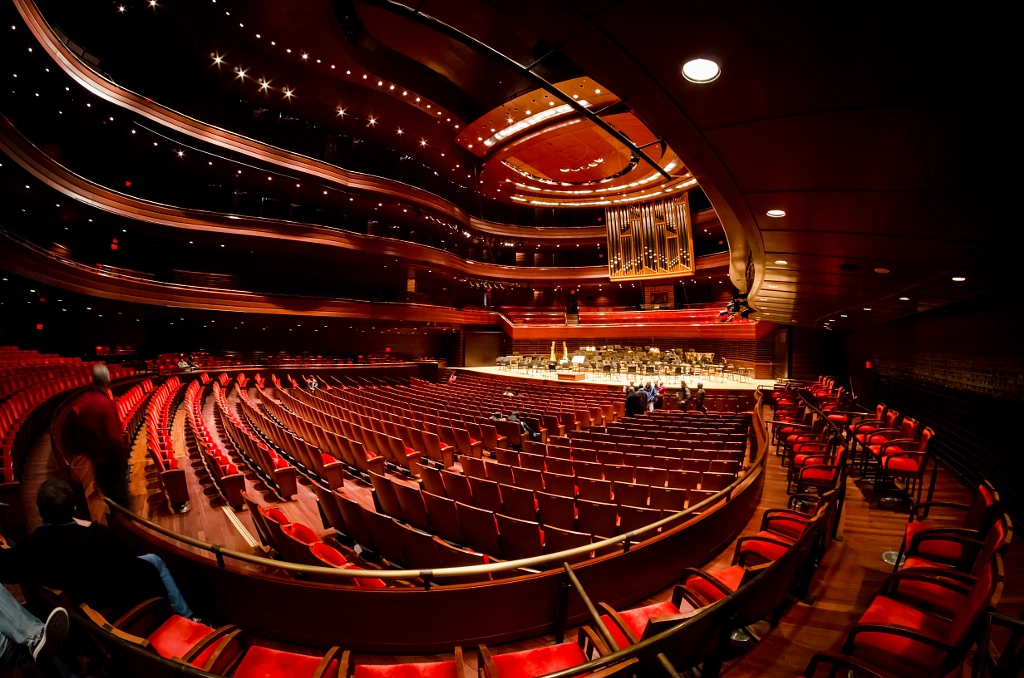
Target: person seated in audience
(698,399)
(508,393)
(523,427)
(311,383)
(635,402)
(85,560)
(97,443)
(183,364)
(23,635)
(451,379)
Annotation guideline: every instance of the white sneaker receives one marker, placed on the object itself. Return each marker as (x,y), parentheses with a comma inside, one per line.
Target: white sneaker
(54,633)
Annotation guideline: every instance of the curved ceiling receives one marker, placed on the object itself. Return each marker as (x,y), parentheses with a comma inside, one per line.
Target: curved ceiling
(874,142)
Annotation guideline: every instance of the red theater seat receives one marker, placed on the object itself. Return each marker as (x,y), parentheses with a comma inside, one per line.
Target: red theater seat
(446,669)
(549,659)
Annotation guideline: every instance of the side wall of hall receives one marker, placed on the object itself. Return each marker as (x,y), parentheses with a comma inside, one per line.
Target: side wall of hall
(960,370)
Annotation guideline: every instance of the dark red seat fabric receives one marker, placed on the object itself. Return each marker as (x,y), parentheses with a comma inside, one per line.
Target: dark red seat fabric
(636,620)
(538,661)
(264,662)
(177,635)
(422,670)
(905,651)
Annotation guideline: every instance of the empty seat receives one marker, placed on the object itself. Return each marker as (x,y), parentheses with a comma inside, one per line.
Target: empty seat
(486,494)
(519,538)
(633,518)
(596,518)
(630,494)
(480,529)
(556,510)
(555,483)
(668,498)
(518,502)
(457,487)
(594,490)
(444,517)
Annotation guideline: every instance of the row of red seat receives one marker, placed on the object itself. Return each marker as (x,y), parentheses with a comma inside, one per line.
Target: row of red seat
(226,475)
(934,606)
(274,469)
(160,445)
(129,403)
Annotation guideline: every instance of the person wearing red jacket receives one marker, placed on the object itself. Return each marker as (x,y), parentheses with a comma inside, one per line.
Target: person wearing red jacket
(95,434)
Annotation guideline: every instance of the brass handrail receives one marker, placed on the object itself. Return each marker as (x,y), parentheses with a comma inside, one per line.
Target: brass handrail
(220,552)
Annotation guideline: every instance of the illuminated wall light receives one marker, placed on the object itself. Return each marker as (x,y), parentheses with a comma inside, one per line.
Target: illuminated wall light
(776,213)
(959,278)
(867,308)
(881,270)
(781,262)
(904,298)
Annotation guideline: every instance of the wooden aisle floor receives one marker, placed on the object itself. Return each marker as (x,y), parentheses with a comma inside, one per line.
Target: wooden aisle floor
(851,574)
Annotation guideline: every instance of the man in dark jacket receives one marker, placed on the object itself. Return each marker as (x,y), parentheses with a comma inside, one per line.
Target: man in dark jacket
(85,560)
(636,403)
(94,430)
(698,399)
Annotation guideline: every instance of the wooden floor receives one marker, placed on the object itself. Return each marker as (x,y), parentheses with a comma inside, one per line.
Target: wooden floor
(851,574)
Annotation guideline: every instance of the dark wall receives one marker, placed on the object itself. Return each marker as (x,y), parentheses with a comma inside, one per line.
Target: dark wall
(960,370)
(482,348)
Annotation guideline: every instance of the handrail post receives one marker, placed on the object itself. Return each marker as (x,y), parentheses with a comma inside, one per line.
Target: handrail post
(220,556)
(601,628)
(563,609)
(667,665)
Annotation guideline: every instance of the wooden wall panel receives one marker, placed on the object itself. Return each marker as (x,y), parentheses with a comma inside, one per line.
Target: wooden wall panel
(960,370)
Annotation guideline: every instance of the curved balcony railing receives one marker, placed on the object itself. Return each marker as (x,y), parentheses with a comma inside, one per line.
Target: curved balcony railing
(31,261)
(60,178)
(99,85)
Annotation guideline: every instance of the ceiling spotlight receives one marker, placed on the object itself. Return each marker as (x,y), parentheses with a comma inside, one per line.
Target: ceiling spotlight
(373,121)
(287,93)
(265,85)
(776,213)
(218,60)
(341,111)
(305,56)
(959,278)
(881,270)
(400,130)
(867,308)
(904,298)
(121,9)
(781,262)
(701,70)
(842,315)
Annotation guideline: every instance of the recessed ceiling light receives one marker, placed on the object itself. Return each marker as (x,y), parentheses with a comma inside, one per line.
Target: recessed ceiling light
(959,278)
(776,213)
(881,270)
(842,315)
(867,308)
(701,70)
(904,298)
(781,262)
(771,286)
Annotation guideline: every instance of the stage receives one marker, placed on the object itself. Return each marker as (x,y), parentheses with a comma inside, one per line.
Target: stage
(711,382)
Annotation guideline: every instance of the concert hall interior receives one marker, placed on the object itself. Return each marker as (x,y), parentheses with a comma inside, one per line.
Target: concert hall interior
(374,339)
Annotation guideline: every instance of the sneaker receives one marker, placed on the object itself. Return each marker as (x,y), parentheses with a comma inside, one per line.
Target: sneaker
(54,633)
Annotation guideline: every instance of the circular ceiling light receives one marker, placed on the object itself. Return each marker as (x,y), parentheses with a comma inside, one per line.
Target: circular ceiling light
(776,213)
(904,298)
(701,70)
(881,270)
(867,308)
(781,262)
(959,278)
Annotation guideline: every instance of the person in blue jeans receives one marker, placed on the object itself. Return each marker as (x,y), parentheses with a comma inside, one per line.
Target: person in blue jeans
(85,560)
(22,634)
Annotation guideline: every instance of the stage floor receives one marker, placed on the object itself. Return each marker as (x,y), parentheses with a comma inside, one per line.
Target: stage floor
(710,383)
